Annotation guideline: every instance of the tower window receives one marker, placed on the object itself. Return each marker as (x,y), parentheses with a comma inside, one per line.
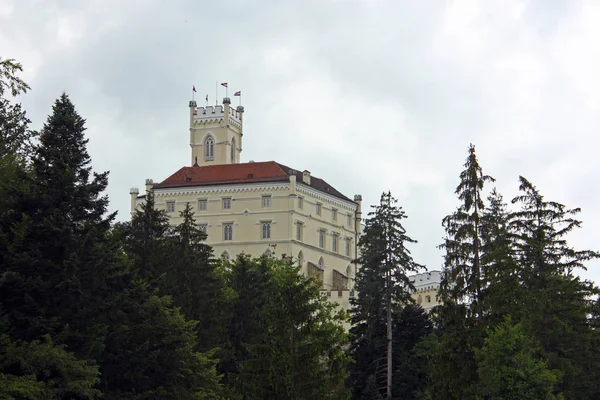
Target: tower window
(170,206)
(266,230)
(348,247)
(232,150)
(300,202)
(349,221)
(227,203)
(298,231)
(318,209)
(266,201)
(334,214)
(210,149)
(227,231)
(334,243)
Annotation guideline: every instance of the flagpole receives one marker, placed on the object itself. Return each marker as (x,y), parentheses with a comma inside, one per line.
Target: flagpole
(192,93)
(216,93)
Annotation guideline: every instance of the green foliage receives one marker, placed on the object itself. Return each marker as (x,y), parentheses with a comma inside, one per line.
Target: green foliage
(510,366)
(288,343)
(42,370)
(382,286)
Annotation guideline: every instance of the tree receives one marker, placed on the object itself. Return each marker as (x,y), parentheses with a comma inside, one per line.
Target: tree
(462,276)
(559,304)
(383,286)
(510,366)
(194,283)
(291,345)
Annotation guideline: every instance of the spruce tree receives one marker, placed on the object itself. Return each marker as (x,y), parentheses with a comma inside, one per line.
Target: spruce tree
(463,276)
(559,303)
(383,287)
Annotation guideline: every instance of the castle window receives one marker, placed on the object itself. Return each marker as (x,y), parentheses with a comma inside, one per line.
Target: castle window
(349,221)
(318,209)
(202,205)
(300,202)
(266,201)
(321,238)
(209,149)
(334,242)
(227,231)
(348,247)
(298,230)
(227,203)
(266,230)
(334,214)
(428,299)
(170,206)
(232,150)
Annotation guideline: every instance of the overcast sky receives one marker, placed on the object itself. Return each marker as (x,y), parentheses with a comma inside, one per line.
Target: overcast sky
(370,95)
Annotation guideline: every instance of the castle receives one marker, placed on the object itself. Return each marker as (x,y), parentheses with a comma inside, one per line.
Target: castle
(261,208)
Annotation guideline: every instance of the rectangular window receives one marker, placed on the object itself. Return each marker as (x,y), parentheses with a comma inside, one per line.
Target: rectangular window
(300,202)
(334,214)
(227,231)
(298,231)
(202,205)
(348,247)
(318,208)
(266,201)
(227,203)
(334,243)
(349,222)
(322,238)
(266,230)
(170,206)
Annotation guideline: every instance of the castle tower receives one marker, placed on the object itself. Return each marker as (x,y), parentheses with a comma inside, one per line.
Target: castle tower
(216,133)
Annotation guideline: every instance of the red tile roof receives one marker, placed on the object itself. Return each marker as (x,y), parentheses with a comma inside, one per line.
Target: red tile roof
(254,172)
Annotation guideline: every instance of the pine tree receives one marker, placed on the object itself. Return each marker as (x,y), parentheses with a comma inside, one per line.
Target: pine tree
(195,283)
(462,277)
(57,259)
(383,286)
(288,342)
(558,303)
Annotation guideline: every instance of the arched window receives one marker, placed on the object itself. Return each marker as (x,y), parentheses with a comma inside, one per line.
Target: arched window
(225,255)
(321,263)
(428,299)
(268,253)
(300,259)
(233,150)
(209,149)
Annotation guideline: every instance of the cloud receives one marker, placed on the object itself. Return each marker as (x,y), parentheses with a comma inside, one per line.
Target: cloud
(369,95)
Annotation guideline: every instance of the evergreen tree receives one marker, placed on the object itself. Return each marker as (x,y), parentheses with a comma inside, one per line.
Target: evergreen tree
(510,366)
(383,288)
(559,304)
(56,261)
(291,346)
(195,283)
(462,277)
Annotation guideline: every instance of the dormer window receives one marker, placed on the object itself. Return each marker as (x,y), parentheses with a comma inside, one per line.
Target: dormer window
(209,149)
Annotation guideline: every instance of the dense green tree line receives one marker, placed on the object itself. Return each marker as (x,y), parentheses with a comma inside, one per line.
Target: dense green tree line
(92,309)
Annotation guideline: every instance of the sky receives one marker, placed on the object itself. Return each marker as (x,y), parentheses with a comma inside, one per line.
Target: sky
(370,95)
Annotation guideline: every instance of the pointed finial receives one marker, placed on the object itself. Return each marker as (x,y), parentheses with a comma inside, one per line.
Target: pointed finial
(195,162)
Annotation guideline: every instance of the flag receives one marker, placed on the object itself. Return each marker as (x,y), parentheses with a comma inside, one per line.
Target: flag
(194,88)
(238,93)
(206,97)
(224,84)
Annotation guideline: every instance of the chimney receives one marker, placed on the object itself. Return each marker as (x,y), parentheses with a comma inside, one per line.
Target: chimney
(306,177)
